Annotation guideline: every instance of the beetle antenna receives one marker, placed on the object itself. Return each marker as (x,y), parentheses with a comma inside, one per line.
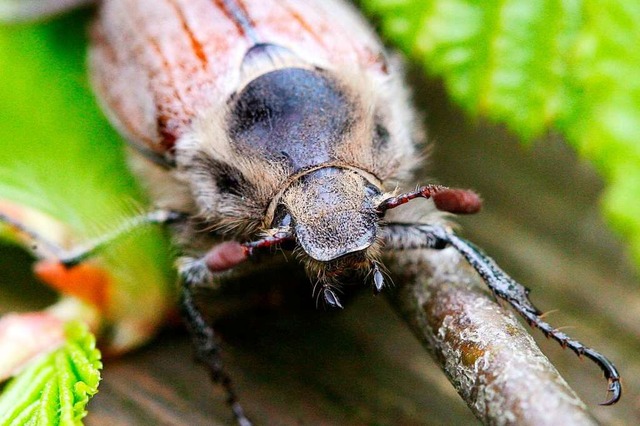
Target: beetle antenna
(452,200)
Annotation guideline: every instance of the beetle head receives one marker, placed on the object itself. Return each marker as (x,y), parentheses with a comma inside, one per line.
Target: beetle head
(332,213)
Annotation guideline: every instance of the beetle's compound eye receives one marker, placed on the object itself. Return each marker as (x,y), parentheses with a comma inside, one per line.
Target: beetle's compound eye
(371,191)
(281,217)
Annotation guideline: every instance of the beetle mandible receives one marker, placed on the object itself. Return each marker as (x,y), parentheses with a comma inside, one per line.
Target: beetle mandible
(274,124)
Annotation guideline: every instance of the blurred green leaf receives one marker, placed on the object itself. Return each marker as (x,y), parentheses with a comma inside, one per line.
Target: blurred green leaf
(567,65)
(61,157)
(56,388)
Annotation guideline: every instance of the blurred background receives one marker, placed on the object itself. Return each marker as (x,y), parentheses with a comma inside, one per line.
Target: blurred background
(361,366)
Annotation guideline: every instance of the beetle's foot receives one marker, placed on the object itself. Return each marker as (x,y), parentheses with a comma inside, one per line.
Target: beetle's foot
(330,297)
(378,280)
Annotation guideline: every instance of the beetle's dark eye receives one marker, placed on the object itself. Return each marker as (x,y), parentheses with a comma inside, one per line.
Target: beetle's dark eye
(281,217)
(227,183)
(228,179)
(380,136)
(371,191)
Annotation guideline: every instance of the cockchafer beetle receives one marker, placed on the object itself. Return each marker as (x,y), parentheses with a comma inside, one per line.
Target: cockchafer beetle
(273,123)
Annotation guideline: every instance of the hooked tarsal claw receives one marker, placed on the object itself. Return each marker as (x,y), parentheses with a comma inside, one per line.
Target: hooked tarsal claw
(331,299)
(610,373)
(378,280)
(615,389)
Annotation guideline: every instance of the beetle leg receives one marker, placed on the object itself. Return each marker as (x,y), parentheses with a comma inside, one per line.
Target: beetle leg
(157,217)
(416,236)
(72,257)
(205,342)
(201,272)
(66,270)
(195,273)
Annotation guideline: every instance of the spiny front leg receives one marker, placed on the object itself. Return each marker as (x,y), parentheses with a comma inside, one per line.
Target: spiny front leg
(398,236)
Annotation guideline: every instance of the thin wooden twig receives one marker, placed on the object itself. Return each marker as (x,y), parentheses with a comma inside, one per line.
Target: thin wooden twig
(490,359)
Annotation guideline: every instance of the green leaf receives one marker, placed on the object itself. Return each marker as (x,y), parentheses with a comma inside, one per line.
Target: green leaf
(571,66)
(56,388)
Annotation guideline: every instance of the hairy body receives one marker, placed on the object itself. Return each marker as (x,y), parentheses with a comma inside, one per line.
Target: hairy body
(208,82)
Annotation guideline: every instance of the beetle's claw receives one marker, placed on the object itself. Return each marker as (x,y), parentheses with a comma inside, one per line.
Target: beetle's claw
(330,298)
(378,280)
(610,373)
(615,389)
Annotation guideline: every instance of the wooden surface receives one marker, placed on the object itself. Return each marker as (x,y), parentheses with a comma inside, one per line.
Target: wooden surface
(362,366)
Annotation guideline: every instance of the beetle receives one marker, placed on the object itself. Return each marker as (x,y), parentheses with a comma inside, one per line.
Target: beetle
(259,124)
